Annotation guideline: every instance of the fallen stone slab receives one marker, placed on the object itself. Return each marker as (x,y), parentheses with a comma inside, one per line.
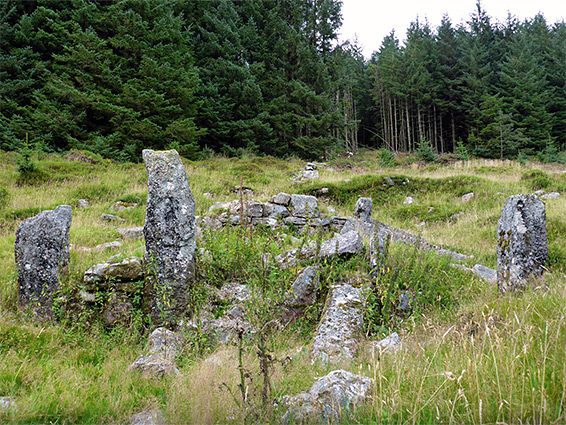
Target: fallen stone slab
(342,246)
(111,217)
(328,399)
(42,258)
(337,335)
(129,269)
(398,235)
(551,195)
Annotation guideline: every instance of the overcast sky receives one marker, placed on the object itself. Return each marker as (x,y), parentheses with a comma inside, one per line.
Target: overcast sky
(371,20)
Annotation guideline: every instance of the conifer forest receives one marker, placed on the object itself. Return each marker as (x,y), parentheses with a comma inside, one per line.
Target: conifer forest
(271,78)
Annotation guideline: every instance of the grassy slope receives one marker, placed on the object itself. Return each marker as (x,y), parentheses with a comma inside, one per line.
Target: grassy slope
(484,359)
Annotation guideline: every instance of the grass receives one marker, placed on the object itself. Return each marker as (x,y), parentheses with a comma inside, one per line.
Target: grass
(472,357)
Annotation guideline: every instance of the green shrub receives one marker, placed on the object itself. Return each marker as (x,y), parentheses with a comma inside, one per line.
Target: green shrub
(537,179)
(386,158)
(425,151)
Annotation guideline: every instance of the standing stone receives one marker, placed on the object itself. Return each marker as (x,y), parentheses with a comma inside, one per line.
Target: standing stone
(521,242)
(363,209)
(169,233)
(378,250)
(42,258)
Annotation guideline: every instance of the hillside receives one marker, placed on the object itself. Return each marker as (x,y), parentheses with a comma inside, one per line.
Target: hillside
(469,355)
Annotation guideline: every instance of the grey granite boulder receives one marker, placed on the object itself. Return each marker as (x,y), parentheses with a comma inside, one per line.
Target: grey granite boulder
(328,399)
(305,288)
(42,258)
(281,199)
(388,344)
(304,206)
(522,248)
(339,330)
(363,209)
(164,347)
(131,232)
(169,233)
(345,245)
(129,269)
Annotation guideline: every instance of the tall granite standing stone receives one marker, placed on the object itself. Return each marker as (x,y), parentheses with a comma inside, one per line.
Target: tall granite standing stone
(521,242)
(42,258)
(169,233)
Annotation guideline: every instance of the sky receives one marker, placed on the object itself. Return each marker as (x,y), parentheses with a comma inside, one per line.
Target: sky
(371,20)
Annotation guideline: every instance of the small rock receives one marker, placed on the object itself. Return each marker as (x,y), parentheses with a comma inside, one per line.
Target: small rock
(122,206)
(83,203)
(408,200)
(485,273)
(467,197)
(281,199)
(551,195)
(389,181)
(208,195)
(110,217)
(87,297)
(164,347)
(388,344)
(131,232)
(331,210)
(539,192)
(363,209)
(7,403)
(108,245)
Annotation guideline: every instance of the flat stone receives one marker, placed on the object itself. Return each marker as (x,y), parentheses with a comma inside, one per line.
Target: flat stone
(276,211)
(110,217)
(339,330)
(129,269)
(408,201)
(122,206)
(551,195)
(131,232)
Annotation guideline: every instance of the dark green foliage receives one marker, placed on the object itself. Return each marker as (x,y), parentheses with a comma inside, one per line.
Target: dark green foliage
(386,158)
(425,152)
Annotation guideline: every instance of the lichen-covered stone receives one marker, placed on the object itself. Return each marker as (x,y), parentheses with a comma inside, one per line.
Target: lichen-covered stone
(129,269)
(304,206)
(378,251)
(339,329)
(281,198)
(169,233)
(363,209)
(328,399)
(304,288)
(522,248)
(42,258)
(164,347)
